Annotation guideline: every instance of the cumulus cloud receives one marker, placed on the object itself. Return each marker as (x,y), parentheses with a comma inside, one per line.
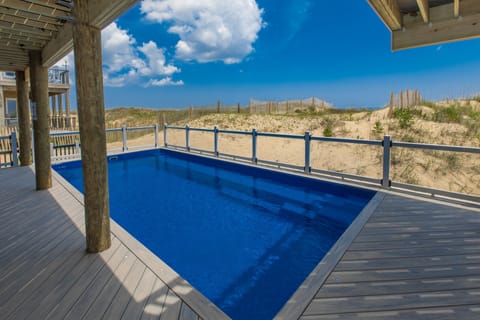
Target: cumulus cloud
(124,62)
(209,30)
(165,82)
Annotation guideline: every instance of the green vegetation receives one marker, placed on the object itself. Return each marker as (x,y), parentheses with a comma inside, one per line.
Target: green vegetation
(378,127)
(329,124)
(328,132)
(450,114)
(404,117)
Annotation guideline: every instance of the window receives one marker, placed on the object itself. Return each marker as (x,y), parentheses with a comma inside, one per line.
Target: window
(11,110)
(9,75)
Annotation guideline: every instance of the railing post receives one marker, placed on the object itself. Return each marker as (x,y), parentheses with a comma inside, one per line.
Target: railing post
(307,152)
(33,146)
(124,138)
(254,145)
(187,137)
(156,134)
(77,147)
(52,150)
(13,138)
(165,127)
(215,140)
(387,144)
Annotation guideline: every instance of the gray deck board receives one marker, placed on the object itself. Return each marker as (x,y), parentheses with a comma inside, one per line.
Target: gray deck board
(155,303)
(45,272)
(413,259)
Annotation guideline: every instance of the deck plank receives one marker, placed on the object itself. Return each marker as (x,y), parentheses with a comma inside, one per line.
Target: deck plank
(77,277)
(124,294)
(136,306)
(171,307)
(413,259)
(397,302)
(155,302)
(45,272)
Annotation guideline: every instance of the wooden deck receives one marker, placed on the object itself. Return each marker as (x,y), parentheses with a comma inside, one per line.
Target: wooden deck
(45,272)
(413,259)
(405,258)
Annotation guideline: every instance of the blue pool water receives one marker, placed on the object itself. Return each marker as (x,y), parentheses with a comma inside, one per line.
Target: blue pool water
(245,237)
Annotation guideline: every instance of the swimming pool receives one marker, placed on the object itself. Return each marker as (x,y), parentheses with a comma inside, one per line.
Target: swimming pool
(244,236)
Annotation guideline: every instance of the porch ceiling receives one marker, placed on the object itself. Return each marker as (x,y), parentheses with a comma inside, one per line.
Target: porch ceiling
(417,23)
(46,26)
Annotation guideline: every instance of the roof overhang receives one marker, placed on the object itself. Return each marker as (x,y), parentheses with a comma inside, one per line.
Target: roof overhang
(416,23)
(46,26)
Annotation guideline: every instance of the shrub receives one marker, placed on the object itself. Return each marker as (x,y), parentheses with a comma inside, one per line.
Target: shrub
(378,128)
(328,132)
(405,117)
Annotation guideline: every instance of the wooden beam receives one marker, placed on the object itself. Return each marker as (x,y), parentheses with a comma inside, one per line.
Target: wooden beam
(456,8)
(41,128)
(443,27)
(101,14)
(389,12)
(23,108)
(424,10)
(91,113)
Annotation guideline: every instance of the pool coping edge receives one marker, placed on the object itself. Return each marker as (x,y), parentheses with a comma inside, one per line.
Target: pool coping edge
(200,304)
(302,297)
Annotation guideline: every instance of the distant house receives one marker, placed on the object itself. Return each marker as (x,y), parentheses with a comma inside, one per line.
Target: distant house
(58,91)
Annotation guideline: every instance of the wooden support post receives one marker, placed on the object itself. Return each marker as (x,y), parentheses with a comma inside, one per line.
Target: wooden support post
(408,98)
(41,128)
(401,99)
(25,137)
(91,112)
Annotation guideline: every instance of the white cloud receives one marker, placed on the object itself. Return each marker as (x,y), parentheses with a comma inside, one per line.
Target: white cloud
(209,30)
(165,82)
(125,63)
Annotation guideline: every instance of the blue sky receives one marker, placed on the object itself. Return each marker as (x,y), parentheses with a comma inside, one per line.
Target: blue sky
(172,54)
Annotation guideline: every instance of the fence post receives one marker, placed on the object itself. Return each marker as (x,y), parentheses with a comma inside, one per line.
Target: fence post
(307,152)
(124,138)
(156,134)
(165,127)
(215,140)
(187,137)
(254,145)
(387,144)
(52,150)
(13,140)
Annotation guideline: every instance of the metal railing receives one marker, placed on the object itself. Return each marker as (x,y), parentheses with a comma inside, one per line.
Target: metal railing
(9,150)
(72,149)
(386,144)
(66,145)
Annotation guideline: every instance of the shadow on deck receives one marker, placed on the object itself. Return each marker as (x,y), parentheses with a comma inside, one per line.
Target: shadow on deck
(45,272)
